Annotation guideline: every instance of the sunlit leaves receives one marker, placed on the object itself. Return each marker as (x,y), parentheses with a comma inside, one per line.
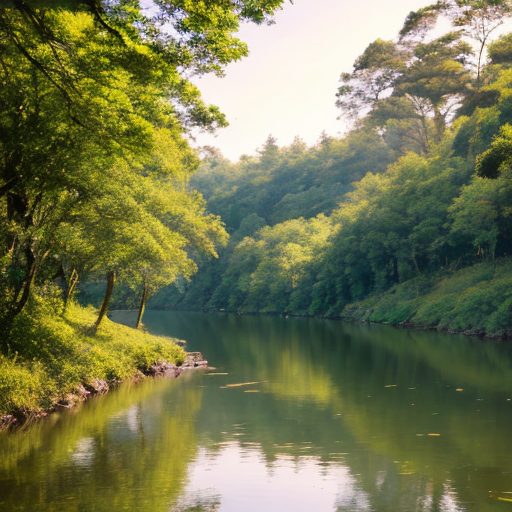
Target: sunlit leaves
(491,163)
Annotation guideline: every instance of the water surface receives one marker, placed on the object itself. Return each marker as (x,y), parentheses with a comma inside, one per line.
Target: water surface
(329,417)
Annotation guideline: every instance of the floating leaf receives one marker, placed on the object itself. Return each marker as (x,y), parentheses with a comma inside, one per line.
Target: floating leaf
(501,495)
(240,384)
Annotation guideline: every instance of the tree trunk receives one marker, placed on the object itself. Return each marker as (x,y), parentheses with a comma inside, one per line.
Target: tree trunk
(417,272)
(18,302)
(32,265)
(479,68)
(439,123)
(396,275)
(111,279)
(142,306)
(426,142)
(70,288)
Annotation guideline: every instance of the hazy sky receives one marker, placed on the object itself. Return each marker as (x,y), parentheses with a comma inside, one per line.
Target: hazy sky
(287,85)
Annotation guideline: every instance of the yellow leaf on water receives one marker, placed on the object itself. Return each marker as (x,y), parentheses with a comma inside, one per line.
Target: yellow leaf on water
(252,391)
(240,384)
(459,389)
(434,435)
(391,386)
(499,495)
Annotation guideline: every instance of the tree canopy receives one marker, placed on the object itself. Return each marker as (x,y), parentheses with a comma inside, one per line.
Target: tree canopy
(95,106)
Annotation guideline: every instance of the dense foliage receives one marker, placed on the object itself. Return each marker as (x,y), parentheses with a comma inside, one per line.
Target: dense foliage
(95,105)
(418,190)
(95,110)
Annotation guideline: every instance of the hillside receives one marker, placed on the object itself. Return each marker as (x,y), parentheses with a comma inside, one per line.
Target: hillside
(352,224)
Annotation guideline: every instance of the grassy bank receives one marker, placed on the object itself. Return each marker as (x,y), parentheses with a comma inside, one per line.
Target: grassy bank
(477,300)
(53,354)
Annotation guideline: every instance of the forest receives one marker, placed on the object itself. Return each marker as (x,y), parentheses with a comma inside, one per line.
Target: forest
(406,219)
(103,200)
(132,253)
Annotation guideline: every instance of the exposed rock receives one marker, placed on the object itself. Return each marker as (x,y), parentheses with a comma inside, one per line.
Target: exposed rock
(164,369)
(69,401)
(97,386)
(81,392)
(194,360)
(7,420)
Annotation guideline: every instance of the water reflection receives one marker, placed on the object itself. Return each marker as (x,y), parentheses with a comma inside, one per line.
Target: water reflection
(301,414)
(422,420)
(126,451)
(248,482)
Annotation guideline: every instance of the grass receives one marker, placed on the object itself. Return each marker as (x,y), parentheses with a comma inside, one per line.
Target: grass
(52,353)
(477,299)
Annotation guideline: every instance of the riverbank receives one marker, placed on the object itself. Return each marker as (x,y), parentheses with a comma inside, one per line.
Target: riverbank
(475,301)
(55,361)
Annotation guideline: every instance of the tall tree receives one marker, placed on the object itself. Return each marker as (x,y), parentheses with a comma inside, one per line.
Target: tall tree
(373,78)
(436,79)
(477,19)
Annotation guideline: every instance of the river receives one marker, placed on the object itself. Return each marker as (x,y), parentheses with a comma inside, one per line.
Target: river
(298,415)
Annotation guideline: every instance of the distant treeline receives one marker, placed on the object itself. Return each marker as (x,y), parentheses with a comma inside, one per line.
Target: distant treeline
(419,188)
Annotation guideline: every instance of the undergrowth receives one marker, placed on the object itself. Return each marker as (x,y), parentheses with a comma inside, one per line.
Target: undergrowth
(51,353)
(477,298)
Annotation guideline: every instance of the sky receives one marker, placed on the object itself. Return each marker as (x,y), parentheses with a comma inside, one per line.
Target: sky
(287,85)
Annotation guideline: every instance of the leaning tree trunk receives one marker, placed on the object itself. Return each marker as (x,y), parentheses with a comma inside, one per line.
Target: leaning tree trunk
(143,300)
(31,271)
(21,296)
(33,261)
(19,301)
(425,143)
(70,287)
(111,279)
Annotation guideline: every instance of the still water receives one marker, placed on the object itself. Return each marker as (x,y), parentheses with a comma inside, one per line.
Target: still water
(330,417)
